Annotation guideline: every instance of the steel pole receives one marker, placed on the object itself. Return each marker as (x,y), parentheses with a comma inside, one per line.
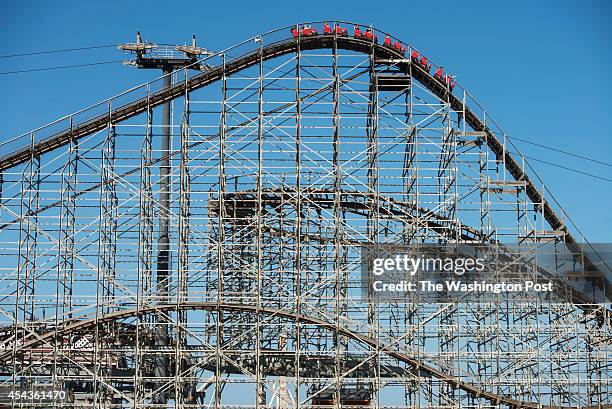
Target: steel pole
(163,241)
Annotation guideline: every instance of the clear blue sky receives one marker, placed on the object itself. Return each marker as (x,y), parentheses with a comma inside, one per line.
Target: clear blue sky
(541,68)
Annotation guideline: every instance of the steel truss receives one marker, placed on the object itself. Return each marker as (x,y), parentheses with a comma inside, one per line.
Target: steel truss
(287,155)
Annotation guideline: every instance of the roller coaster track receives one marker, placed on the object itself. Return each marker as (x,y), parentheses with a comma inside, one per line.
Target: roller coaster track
(386,207)
(359,202)
(419,367)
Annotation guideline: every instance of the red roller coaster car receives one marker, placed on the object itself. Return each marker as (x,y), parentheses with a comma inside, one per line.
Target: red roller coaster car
(307,31)
(368,34)
(445,78)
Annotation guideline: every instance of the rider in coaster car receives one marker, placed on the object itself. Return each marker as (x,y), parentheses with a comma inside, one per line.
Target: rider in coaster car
(357,32)
(370,35)
(341,31)
(423,62)
(399,47)
(450,81)
(387,41)
(438,74)
(308,31)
